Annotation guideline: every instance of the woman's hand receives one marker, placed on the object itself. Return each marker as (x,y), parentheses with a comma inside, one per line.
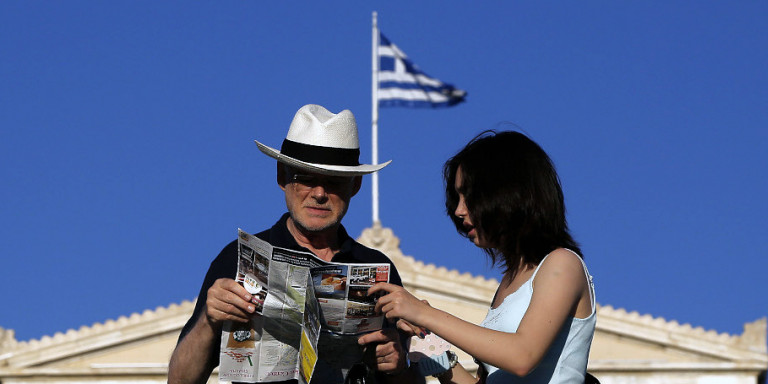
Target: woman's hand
(396,303)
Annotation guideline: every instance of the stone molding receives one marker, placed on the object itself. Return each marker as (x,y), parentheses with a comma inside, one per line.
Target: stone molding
(150,323)
(745,351)
(750,345)
(721,353)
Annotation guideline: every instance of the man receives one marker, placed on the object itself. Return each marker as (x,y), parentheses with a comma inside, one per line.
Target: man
(318,169)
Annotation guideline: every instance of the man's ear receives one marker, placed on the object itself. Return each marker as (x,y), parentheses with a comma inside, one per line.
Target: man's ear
(358,183)
(281,175)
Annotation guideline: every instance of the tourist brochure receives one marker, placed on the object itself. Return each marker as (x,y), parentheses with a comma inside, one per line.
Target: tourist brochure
(297,294)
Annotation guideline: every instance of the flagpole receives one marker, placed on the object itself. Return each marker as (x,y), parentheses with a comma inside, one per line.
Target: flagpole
(375,119)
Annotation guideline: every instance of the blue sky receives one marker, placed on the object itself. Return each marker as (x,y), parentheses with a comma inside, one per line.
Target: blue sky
(127,157)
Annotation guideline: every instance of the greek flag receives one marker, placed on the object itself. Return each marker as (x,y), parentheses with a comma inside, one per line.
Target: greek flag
(402,83)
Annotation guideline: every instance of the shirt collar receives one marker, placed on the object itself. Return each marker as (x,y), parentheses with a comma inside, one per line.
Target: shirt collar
(282,237)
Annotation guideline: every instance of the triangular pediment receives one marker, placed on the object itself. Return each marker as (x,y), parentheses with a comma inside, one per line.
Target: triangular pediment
(631,339)
(623,340)
(139,346)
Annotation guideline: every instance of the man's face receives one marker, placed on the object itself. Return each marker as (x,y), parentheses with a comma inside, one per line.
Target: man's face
(316,202)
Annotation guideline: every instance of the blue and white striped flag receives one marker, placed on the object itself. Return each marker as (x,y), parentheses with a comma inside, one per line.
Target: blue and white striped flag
(402,83)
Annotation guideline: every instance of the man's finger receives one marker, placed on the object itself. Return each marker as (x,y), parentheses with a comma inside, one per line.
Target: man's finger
(232,286)
(373,337)
(228,301)
(380,336)
(220,316)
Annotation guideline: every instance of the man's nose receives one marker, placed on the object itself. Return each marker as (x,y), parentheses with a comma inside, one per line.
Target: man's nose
(318,192)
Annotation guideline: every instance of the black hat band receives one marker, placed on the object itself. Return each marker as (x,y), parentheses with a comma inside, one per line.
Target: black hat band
(320,155)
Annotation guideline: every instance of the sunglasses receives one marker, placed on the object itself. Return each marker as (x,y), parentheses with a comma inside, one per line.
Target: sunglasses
(308,181)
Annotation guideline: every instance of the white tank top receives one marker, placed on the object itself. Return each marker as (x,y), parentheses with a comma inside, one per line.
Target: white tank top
(566,359)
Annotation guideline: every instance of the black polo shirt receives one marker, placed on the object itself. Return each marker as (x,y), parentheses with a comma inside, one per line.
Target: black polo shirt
(225,266)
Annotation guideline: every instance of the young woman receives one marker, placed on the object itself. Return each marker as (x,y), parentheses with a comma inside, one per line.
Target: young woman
(502,192)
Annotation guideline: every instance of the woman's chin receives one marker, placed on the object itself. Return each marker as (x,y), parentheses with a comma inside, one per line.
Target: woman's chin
(477,241)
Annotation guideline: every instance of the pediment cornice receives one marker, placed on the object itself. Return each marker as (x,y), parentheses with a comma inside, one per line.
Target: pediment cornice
(723,351)
(86,339)
(749,346)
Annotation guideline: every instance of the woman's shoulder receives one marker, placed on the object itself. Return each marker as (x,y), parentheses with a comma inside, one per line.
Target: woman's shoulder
(562,260)
(562,274)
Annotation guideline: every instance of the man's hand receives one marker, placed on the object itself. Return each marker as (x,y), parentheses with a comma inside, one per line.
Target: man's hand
(228,300)
(191,360)
(389,353)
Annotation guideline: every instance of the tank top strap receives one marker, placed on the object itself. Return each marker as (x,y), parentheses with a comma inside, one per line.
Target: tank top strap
(537,267)
(589,278)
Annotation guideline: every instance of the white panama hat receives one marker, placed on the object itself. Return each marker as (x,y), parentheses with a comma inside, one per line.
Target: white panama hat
(322,142)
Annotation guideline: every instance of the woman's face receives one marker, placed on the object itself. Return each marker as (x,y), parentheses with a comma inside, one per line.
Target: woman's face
(463,213)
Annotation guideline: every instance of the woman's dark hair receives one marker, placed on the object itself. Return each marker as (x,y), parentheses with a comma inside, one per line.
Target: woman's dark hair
(513,196)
